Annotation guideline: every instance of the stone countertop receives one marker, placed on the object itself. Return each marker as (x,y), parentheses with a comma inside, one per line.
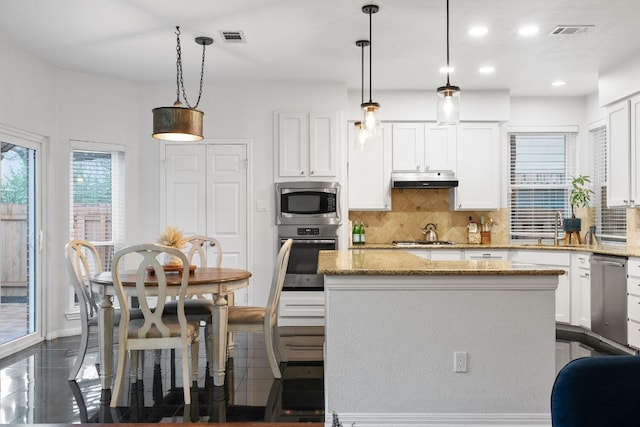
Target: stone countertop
(619,250)
(394,262)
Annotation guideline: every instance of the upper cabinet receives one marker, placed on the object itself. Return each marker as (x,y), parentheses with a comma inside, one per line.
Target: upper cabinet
(370,172)
(423,146)
(307,143)
(478,167)
(623,135)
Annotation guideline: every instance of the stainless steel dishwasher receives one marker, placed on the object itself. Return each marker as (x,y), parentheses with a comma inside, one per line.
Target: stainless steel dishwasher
(609,297)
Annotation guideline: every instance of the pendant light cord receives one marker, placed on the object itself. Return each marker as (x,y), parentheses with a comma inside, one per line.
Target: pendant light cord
(371,56)
(448,68)
(180,79)
(362,75)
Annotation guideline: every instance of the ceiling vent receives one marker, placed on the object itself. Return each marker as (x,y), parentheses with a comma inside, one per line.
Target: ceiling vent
(233,36)
(571,30)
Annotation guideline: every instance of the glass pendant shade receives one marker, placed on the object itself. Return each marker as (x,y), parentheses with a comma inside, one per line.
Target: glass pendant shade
(363,137)
(177,123)
(448,105)
(371,118)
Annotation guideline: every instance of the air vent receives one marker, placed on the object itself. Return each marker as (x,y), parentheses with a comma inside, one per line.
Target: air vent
(233,36)
(571,30)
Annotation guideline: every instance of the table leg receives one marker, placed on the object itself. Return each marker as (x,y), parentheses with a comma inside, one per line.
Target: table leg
(220,313)
(105,326)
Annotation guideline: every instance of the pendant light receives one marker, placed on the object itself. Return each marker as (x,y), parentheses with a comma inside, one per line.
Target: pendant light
(178,123)
(371,109)
(448,95)
(363,136)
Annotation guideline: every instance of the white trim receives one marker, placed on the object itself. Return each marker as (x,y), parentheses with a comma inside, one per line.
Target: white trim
(597,124)
(543,129)
(440,420)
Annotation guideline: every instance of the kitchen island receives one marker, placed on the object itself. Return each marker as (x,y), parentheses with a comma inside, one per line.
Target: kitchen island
(397,326)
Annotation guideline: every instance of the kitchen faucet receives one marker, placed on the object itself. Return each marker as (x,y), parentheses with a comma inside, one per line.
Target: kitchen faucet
(555,230)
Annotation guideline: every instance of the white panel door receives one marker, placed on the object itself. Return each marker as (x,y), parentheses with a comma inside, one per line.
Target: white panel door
(440,147)
(185,187)
(408,147)
(227,201)
(619,165)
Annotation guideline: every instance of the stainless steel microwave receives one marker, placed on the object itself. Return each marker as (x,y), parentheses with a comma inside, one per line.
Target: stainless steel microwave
(307,203)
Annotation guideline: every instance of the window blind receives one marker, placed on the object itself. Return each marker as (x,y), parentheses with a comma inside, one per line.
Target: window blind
(97,197)
(611,223)
(541,168)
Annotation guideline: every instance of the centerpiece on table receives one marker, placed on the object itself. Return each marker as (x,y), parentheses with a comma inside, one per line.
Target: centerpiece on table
(172,236)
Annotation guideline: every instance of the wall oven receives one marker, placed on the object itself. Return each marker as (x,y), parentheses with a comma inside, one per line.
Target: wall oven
(302,270)
(307,203)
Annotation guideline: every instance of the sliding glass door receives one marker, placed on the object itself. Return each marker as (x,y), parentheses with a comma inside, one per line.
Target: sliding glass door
(20,231)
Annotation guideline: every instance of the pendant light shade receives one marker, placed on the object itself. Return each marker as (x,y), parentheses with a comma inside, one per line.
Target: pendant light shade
(179,123)
(448,95)
(363,136)
(371,110)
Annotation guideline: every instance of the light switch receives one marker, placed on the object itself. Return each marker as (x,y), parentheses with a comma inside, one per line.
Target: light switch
(261,205)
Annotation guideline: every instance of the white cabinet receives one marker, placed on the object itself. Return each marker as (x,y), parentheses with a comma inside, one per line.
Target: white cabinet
(306,143)
(581,290)
(437,254)
(623,134)
(633,302)
(301,308)
(485,255)
(478,168)
(370,172)
(555,259)
(423,146)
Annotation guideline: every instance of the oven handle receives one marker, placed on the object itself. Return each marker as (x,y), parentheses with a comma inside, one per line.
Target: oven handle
(310,241)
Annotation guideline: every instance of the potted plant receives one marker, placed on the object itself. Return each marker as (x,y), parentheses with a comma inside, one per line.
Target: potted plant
(579,197)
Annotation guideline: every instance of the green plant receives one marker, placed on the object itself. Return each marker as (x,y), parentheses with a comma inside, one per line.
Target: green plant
(580,195)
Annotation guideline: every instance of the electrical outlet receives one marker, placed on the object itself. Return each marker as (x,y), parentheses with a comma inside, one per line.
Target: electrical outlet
(460,361)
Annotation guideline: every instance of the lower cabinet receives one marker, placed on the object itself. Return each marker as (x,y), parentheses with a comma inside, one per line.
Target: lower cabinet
(633,302)
(438,254)
(581,290)
(556,259)
(485,255)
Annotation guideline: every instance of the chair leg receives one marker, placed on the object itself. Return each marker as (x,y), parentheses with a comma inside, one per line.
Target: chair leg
(195,350)
(271,355)
(282,352)
(186,377)
(82,351)
(120,370)
(133,372)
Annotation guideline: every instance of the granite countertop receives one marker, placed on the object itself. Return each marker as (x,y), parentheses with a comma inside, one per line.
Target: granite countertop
(395,262)
(619,250)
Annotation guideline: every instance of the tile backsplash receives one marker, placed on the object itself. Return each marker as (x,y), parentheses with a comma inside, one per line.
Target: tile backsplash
(413,209)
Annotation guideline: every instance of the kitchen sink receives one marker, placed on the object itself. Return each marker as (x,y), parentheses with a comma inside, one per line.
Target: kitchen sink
(420,243)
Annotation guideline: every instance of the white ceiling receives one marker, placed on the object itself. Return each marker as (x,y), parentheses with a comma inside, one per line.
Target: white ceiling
(305,40)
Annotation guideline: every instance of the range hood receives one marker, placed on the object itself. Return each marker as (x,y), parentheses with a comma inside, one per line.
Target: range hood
(428,179)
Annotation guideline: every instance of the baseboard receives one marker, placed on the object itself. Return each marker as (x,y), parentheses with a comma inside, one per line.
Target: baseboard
(441,420)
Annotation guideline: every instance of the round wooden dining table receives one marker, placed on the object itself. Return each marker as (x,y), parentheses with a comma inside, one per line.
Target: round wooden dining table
(218,282)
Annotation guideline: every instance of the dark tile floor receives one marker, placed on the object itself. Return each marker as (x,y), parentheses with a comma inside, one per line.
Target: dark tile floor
(34,386)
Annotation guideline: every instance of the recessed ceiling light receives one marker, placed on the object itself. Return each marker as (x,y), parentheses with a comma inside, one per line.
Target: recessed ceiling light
(558,83)
(487,69)
(446,69)
(528,30)
(478,31)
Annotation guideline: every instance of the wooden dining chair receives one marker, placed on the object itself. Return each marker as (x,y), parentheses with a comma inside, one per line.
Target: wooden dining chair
(155,330)
(83,261)
(265,319)
(199,307)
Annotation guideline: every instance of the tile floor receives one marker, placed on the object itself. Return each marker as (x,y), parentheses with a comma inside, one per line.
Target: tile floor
(34,386)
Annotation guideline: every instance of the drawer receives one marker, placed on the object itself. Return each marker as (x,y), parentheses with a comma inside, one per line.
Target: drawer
(542,257)
(475,254)
(633,285)
(633,334)
(633,267)
(582,261)
(633,307)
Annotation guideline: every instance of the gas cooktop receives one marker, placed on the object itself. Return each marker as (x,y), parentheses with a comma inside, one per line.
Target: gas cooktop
(409,243)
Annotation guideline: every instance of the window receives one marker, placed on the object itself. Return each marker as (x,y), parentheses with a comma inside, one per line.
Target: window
(97,196)
(611,223)
(541,168)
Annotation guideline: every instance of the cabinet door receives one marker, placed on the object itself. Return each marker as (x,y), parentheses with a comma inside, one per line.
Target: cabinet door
(584,319)
(634,151)
(323,144)
(478,167)
(440,147)
(370,172)
(408,146)
(293,143)
(619,166)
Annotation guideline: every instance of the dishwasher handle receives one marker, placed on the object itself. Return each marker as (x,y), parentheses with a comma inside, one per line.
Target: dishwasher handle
(609,263)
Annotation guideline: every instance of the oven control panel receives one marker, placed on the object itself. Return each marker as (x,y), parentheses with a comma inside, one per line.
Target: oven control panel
(308,231)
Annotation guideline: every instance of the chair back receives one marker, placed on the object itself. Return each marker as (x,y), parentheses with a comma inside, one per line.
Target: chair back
(597,391)
(83,262)
(197,253)
(277,281)
(151,298)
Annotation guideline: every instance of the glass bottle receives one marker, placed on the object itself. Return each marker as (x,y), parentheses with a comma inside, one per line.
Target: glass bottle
(355,234)
(362,233)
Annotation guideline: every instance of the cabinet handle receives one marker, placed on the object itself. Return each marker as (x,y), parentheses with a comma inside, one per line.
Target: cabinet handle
(626,201)
(301,172)
(417,167)
(633,202)
(311,173)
